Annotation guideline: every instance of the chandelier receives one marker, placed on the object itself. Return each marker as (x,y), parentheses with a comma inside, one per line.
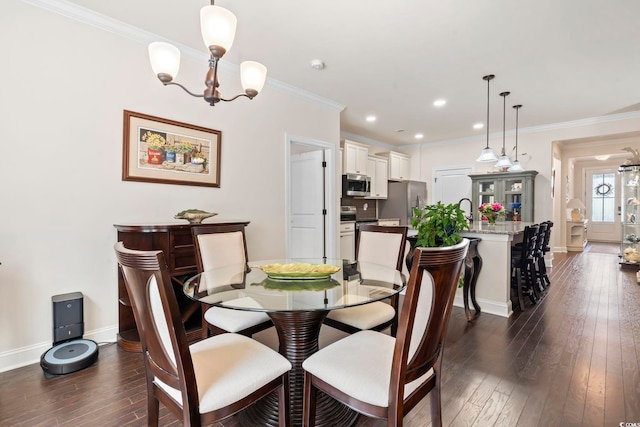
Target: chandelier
(218,26)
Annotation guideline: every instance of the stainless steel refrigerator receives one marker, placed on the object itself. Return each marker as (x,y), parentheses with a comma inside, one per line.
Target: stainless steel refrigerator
(403,197)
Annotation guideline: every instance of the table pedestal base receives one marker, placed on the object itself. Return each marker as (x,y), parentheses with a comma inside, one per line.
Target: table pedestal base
(298,337)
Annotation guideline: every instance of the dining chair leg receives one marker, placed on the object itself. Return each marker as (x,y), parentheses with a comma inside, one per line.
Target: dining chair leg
(284,416)
(309,402)
(436,408)
(153,410)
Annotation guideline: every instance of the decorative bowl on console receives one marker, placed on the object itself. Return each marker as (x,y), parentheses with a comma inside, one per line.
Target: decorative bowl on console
(194,216)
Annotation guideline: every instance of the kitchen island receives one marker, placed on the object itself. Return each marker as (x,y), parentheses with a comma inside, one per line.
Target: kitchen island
(493,289)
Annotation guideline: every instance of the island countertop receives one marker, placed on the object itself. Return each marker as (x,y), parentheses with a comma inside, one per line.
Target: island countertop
(504,227)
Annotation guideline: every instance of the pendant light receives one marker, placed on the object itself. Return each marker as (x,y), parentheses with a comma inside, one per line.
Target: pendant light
(517,167)
(504,161)
(487,154)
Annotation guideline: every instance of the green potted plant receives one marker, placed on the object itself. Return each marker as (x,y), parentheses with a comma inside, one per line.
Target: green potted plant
(438,225)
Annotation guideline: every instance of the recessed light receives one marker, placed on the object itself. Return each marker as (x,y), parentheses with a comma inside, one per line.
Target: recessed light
(478,126)
(419,136)
(602,157)
(439,102)
(371,119)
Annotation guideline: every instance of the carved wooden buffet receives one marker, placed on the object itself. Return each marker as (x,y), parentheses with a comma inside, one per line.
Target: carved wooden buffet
(176,242)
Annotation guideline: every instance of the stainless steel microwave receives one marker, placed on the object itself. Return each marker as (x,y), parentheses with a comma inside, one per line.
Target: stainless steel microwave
(354,184)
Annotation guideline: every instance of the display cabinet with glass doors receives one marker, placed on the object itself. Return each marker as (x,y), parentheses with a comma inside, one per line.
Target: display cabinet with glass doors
(513,190)
(630,215)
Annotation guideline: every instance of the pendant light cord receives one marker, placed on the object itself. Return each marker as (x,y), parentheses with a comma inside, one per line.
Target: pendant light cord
(517,107)
(504,118)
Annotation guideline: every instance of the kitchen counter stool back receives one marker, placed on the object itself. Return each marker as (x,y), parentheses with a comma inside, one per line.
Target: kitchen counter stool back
(203,382)
(385,377)
(542,265)
(523,270)
(382,245)
(220,247)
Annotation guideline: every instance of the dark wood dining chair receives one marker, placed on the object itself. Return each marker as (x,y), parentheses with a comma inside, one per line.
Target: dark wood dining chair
(200,383)
(221,247)
(385,377)
(377,244)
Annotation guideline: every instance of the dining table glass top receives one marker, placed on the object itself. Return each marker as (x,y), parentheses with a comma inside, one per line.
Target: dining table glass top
(294,285)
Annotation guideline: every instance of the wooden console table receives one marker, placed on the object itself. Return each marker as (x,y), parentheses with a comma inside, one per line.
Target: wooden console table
(176,242)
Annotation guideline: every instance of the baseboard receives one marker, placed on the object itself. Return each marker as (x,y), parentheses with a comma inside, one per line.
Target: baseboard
(487,306)
(24,356)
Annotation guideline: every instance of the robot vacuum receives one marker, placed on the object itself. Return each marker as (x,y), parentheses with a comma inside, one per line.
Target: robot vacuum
(70,352)
(69,357)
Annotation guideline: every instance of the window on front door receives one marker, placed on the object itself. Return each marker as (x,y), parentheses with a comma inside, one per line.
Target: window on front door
(603,197)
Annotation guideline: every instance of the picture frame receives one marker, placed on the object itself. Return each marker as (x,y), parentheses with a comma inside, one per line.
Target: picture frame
(164,151)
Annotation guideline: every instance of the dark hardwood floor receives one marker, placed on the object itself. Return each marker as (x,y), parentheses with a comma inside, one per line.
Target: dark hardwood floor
(570,360)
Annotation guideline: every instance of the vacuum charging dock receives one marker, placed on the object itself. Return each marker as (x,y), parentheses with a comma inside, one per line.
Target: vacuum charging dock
(70,353)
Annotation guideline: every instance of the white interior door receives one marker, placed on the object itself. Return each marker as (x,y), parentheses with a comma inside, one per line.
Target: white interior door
(307,204)
(451,185)
(602,197)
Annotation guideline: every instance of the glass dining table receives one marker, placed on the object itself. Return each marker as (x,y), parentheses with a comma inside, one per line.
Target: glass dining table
(297,300)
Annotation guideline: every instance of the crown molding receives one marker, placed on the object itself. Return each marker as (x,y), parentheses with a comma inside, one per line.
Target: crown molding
(536,129)
(106,23)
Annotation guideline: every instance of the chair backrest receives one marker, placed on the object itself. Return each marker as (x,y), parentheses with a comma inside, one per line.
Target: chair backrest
(529,244)
(155,309)
(424,318)
(547,237)
(219,246)
(383,245)
(540,236)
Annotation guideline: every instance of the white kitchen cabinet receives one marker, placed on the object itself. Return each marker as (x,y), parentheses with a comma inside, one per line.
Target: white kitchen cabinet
(377,169)
(399,165)
(355,157)
(348,240)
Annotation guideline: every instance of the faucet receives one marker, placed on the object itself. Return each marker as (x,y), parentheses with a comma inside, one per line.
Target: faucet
(470,216)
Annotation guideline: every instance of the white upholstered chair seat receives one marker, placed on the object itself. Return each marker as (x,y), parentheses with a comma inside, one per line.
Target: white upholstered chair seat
(364,316)
(236,320)
(365,367)
(229,367)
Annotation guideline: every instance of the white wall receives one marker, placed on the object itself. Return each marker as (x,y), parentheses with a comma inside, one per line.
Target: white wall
(65,86)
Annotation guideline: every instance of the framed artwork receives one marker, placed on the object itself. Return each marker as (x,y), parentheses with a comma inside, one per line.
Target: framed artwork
(168,152)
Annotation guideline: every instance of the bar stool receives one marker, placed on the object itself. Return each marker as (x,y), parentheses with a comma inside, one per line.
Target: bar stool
(523,266)
(538,257)
(542,266)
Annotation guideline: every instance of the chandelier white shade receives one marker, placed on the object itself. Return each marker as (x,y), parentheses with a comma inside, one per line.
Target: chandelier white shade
(253,75)
(218,27)
(165,58)
(487,154)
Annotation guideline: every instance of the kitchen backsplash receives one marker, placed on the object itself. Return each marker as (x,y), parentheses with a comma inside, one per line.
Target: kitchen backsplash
(365,209)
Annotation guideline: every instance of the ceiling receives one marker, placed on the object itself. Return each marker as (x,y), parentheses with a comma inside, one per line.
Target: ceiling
(562,60)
